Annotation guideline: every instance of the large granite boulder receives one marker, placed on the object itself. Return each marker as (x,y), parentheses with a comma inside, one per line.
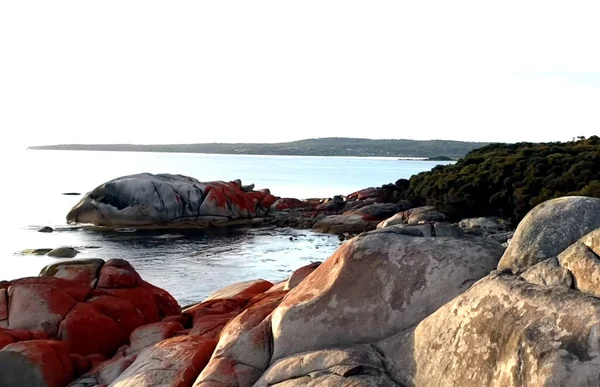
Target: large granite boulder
(503,331)
(548,229)
(149,200)
(395,280)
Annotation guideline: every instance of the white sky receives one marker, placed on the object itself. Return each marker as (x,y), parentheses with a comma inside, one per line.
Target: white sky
(266,71)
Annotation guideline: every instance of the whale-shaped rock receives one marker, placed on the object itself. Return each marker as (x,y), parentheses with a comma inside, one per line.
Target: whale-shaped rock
(150,200)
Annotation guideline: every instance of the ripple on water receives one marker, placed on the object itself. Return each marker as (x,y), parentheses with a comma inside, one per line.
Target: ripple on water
(190,264)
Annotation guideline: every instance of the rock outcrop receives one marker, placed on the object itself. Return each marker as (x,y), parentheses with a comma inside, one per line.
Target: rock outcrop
(548,229)
(386,309)
(148,200)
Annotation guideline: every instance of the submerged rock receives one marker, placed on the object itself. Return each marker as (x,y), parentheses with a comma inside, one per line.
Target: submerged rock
(42,251)
(63,252)
(148,200)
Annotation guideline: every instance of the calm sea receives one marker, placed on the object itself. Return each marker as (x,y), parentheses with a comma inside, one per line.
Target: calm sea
(190,265)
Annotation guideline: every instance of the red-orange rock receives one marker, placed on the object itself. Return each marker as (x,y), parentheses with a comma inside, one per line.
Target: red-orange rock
(240,289)
(5,339)
(279,286)
(210,326)
(150,334)
(3,308)
(123,312)
(175,362)
(184,319)
(142,298)
(288,203)
(38,307)
(243,351)
(81,364)
(35,363)
(104,373)
(118,273)
(83,271)
(218,306)
(268,200)
(226,372)
(95,359)
(299,274)
(167,305)
(76,291)
(366,193)
(87,331)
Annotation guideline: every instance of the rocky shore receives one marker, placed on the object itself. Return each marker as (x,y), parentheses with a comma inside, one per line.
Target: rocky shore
(409,299)
(175,201)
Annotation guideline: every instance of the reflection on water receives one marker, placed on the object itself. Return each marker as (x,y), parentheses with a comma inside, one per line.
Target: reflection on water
(190,264)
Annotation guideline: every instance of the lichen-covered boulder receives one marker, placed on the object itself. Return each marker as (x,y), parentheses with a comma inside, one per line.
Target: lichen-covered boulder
(244,348)
(175,362)
(548,229)
(151,200)
(35,363)
(394,279)
(91,306)
(504,332)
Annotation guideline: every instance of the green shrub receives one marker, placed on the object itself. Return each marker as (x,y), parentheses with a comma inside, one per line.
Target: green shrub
(508,180)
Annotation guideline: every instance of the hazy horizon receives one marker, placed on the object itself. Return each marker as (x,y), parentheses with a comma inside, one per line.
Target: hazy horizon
(141,72)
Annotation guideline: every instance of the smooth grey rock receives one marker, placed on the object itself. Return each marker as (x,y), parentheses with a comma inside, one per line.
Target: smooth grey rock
(502,332)
(549,273)
(394,279)
(392,221)
(548,229)
(583,263)
(158,200)
(340,224)
(445,229)
(425,214)
(378,211)
(63,252)
(488,223)
(360,365)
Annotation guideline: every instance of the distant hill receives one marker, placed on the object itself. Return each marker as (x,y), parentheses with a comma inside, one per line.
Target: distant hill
(332,146)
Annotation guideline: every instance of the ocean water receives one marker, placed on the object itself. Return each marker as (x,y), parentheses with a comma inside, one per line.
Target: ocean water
(189,264)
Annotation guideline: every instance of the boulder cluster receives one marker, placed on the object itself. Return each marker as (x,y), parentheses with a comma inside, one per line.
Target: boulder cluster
(171,201)
(415,301)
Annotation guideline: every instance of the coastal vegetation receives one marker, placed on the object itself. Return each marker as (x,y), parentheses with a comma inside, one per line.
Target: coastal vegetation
(508,180)
(332,146)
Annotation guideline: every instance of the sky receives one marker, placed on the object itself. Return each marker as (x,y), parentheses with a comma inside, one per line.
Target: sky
(151,72)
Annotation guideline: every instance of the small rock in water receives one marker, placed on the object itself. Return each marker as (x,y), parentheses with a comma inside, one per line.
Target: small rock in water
(291,238)
(342,237)
(71,193)
(46,229)
(63,252)
(36,251)
(169,236)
